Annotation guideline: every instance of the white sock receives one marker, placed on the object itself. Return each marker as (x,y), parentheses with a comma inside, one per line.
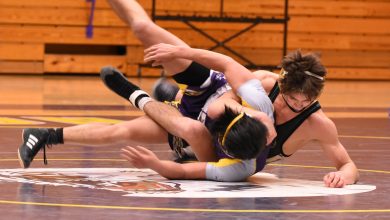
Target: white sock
(139,98)
(142,102)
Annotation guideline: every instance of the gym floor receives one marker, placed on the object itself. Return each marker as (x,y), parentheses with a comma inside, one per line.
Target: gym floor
(360,110)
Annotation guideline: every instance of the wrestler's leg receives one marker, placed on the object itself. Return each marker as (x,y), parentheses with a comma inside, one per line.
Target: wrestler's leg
(194,132)
(131,12)
(140,130)
(194,75)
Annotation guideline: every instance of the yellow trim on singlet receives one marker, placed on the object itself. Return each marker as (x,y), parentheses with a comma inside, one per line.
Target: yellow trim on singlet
(245,104)
(182,87)
(173,103)
(224,162)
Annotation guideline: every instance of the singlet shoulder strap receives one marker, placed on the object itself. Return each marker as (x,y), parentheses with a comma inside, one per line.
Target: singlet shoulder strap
(312,108)
(285,130)
(274,92)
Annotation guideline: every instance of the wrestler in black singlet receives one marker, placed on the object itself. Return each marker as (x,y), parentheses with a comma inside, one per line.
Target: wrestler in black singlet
(285,130)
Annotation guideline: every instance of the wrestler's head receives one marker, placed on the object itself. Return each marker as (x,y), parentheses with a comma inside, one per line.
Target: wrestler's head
(239,135)
(302,79)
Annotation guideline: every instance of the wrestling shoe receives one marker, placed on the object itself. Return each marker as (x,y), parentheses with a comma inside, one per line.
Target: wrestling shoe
(185,155)
(34,139)
(163,90)
(119,84)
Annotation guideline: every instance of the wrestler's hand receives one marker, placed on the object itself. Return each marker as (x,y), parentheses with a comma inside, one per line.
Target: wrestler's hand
(271,133)
(139,157)
(160,53)
(334,180)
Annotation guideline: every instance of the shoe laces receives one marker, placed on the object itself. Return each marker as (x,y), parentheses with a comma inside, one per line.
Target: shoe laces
(51,138)
(49,145)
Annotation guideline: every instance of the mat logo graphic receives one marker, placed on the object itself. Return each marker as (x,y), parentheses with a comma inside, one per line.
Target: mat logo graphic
(146,183)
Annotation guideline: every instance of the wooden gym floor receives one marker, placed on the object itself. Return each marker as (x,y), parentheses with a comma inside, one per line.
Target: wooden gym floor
(360,110)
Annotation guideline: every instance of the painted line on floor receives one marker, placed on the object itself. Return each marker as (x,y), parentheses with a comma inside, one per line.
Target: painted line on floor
(122,160)
(192,209)
(340,136)
(364,137)
(324,167)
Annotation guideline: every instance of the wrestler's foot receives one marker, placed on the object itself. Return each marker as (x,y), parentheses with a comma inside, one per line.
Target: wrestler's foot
(163,90)
(119,84)
(34,139)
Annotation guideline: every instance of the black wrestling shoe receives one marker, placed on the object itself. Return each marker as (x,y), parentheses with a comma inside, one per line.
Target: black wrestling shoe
(163,90)
(185,155)
(185,159)
(118,83)
(34,139)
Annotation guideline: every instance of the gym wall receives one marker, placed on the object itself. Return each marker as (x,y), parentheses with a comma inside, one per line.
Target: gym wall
(46,36)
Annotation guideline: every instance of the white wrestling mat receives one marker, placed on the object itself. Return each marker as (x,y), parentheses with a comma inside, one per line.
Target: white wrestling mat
(146,183)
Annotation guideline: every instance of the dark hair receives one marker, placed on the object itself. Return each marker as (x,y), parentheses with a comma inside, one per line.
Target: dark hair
(296,80)
(246,139)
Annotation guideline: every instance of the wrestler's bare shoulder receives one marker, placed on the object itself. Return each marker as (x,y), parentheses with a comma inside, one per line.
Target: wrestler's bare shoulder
(319,123)
(267,78)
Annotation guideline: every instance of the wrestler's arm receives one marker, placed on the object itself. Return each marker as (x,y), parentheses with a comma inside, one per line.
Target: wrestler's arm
(189,129)
(228,99)
(347,172)
(266,78)
(265,74)
(236,74)
(141,157)
(226,170)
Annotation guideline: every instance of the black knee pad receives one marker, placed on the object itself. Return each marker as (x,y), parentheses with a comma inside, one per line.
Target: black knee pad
(194,75)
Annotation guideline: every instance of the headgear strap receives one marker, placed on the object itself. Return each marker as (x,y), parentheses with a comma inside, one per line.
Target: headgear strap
(238,117)
(283,73)
(314,75)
